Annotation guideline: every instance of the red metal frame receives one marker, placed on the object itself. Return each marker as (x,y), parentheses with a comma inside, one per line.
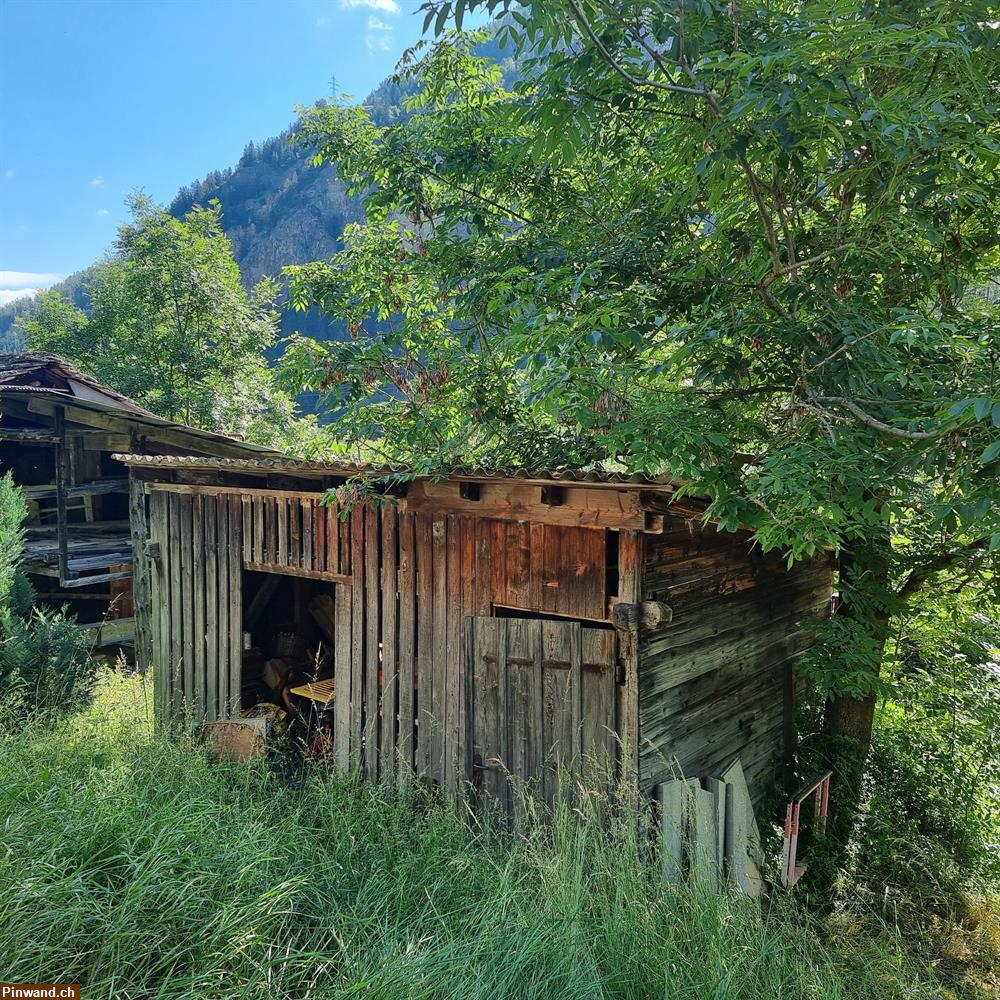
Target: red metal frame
(792,871)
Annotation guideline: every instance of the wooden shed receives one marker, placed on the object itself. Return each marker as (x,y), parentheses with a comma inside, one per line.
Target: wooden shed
(492,623)
(59,429)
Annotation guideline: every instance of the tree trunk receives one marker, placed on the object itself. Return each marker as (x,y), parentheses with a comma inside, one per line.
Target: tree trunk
(865,599)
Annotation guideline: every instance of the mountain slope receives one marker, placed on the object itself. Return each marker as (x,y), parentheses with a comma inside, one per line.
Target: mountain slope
(276,208)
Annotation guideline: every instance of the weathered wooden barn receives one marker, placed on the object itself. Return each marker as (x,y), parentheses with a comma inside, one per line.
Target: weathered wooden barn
(490,623)
(58,431)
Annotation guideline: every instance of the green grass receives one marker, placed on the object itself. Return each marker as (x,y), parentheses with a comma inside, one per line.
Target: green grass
(133,865)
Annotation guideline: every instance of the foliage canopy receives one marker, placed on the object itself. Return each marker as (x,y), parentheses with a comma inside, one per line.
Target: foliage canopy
(172,326)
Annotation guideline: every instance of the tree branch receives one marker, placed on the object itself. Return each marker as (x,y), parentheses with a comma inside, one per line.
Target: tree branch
(916,578)
(875,423)
(671,88)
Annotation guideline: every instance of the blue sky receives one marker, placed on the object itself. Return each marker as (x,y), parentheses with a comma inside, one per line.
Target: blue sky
(100,97)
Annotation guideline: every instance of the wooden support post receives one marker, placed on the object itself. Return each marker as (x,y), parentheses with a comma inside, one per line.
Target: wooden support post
(141,592)
(59,417)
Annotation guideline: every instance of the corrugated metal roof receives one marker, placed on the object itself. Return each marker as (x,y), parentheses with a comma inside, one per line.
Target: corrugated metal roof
(292,466)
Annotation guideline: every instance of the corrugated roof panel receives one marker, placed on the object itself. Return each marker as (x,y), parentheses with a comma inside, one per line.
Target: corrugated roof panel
(292,466)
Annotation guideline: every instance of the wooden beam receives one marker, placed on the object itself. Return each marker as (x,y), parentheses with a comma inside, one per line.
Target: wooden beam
(312,574)
(28,435)
(581,506)
(243,491)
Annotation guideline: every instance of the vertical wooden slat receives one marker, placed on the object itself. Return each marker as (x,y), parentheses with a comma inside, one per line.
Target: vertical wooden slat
(466,571)
(407,640)
(390,686)
(372,595)
(551,703)
(487,694)
(187,603)
(308,533)
(229,696)
(439,692)
(214,704)
(576,695)
(523,665)
(346,548)
(343,666)
(424,531)
(332,538)
(702,839)
(294,553)
(234,608)
(318,520)
(629,590)
(199,632)
(247,530)
(357,547)
(259,554)
(281,513)
(503,713)
(484,568)
(141,582)
(455,717)
(539,569)
(62,481)
(598,711)
(272,546)
(176,641)
(160,622)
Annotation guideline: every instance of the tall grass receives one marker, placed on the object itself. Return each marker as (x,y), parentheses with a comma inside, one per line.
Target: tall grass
(133,865)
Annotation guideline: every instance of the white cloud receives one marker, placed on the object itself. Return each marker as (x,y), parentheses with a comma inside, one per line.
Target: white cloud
(28,280)
(102,211)
(378,43)
(97,182)
(9,172)
(386,6)
(8,295)
(379,36)
(323,21)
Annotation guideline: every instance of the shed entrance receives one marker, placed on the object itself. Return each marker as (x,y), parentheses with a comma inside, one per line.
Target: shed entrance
(544,706)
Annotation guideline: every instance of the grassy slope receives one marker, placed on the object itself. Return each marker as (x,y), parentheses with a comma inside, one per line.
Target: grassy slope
(133,866)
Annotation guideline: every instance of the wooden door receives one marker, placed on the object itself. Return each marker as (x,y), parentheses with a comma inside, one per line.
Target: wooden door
(543,701)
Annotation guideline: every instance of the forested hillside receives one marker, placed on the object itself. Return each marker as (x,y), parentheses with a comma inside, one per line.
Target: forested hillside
(277,209)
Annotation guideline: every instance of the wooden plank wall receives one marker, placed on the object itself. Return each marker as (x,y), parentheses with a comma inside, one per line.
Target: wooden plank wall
(714,683)
(195,609)
(403,585)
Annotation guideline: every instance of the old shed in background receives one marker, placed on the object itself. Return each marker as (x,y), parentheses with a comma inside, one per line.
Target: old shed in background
(59,429)
(489,624)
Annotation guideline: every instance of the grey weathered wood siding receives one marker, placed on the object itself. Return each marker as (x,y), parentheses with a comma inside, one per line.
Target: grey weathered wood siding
(715,682)
(195,604)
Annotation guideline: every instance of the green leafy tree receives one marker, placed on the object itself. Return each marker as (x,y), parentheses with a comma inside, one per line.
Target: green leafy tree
(172,326)
(752,246)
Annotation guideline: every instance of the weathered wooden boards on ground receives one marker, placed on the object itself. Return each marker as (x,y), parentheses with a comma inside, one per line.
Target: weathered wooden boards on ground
(708,832)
